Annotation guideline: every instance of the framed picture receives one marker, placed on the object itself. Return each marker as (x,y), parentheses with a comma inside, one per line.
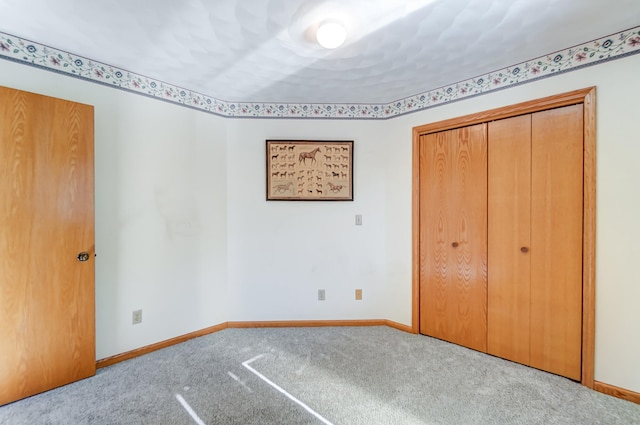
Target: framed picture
(309,170)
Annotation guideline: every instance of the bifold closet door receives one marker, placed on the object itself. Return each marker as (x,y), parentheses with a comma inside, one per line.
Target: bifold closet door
(535,240)
(509,238)
(556,240)
(453,238)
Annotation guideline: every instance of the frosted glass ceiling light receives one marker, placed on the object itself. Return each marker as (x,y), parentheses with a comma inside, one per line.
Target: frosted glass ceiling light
(331,35)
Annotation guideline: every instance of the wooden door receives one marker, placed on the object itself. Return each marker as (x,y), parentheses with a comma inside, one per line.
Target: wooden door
(453,225)
(47,336)
(535,240)
(509,238)
(556,240)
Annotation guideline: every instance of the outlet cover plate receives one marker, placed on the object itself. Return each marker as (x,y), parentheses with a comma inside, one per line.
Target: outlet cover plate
(136,317)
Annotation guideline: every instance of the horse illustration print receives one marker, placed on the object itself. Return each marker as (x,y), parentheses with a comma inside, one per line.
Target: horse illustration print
(302,158)
(322,172)
(282,188)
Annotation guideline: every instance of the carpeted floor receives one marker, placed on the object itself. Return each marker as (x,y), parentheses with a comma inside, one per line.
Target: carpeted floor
(343,375)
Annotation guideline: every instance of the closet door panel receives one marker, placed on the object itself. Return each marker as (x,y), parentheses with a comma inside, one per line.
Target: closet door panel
(509,238)
(556,253)
(435,154)
(453,235)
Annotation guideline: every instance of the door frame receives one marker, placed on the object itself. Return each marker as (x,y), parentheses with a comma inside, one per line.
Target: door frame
(586,97)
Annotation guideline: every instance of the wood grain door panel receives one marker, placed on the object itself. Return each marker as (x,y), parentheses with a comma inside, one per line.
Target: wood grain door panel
(509,234)
(561,231)
(453,236)
(46,219)
(556,255)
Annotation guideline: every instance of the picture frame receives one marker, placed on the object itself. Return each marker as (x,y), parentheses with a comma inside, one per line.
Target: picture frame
(309,170)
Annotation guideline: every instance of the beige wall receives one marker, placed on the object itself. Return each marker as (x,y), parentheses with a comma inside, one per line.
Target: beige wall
(184,231)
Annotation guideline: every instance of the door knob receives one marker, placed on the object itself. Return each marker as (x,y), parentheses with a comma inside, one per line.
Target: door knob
(524,249)
(83,256)
(455,244)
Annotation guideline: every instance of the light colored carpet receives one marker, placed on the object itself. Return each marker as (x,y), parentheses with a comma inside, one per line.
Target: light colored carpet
(342,375)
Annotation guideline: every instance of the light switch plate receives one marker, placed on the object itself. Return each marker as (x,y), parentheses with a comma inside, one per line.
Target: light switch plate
(321,295)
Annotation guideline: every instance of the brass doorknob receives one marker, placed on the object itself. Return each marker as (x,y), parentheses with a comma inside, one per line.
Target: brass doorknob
(524,249)
(83,256)
(455,244)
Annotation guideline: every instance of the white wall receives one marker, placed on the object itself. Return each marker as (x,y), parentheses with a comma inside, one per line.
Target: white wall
(281,253)
(160,177)
(181,212)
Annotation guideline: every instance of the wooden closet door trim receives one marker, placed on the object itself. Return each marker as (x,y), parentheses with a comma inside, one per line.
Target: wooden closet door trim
(586,96)
(415,231)
(589,240)
(556,101)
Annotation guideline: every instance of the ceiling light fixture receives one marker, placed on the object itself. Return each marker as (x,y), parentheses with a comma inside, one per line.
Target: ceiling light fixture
(331,35)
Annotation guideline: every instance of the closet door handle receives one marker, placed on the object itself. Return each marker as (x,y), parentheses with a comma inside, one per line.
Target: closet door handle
(524,249)
(455,244)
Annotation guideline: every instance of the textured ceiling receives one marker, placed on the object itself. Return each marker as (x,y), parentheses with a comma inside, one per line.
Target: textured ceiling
(263,50)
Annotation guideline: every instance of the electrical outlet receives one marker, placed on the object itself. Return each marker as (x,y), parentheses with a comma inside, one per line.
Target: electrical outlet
(358,294)
(136,317)
(320,294)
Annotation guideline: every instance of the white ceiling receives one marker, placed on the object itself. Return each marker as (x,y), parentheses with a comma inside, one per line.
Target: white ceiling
(263,50)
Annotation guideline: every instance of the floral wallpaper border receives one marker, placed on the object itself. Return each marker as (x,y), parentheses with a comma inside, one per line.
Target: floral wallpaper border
(603,49)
